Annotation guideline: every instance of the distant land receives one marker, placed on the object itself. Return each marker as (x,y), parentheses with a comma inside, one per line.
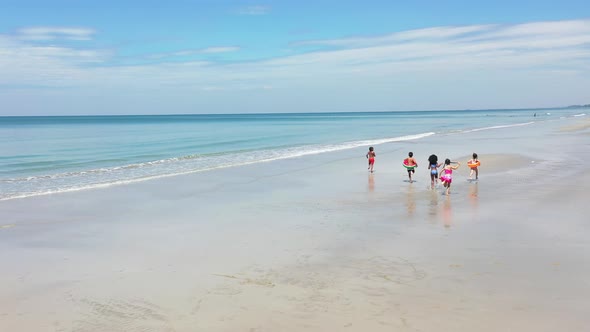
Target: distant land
(579,106)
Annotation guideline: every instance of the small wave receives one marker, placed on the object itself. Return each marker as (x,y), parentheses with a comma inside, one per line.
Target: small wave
(582,114)
(498,127)
(99,170)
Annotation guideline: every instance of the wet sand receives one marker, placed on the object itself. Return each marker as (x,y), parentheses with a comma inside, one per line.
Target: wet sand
(316,244)
(498,162)
(583,124)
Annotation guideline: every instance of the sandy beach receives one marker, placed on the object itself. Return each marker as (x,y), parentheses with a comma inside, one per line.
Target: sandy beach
(317,244)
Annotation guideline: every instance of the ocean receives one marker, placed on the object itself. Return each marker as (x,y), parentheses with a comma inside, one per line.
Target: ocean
(53,154)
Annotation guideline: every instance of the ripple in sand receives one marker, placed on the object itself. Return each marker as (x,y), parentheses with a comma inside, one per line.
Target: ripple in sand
(121,315)
(300,292)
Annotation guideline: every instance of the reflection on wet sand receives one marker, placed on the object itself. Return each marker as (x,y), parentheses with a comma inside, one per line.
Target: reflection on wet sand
(371,183)
(447,213)
(433,205)
(474,199)
(411,200)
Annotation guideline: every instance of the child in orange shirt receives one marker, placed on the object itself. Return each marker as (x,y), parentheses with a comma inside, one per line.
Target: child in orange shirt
(410,163)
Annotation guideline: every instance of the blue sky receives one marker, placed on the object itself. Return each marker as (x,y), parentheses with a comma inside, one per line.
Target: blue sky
(161,57)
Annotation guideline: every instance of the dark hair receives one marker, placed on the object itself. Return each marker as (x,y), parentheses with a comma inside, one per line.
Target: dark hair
(474,155)
(447,161)
(411,154)
(433,159)
(371,149)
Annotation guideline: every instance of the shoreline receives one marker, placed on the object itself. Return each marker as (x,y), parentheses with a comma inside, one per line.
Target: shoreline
(90,179)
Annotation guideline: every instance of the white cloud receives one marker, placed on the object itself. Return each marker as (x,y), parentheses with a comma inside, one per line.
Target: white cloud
(483,45)
(25,63)
(404,36)
(254,10)
(546,55)
(185,53)
(438,48)
(221,49)
(549,28)
(53,33)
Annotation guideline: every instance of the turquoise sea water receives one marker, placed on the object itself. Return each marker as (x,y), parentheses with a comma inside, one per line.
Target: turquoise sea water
(44,155)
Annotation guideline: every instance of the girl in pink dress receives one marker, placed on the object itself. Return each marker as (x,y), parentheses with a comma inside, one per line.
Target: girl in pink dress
(447,174)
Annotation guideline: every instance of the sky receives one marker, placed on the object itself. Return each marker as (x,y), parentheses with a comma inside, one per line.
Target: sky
(82,57)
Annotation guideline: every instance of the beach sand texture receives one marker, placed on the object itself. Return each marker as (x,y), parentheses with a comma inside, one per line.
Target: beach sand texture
(317,244)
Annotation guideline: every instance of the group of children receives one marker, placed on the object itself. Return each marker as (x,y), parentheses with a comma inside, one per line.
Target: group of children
(448,167)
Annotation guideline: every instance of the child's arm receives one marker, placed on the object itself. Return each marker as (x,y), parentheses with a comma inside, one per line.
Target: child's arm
(455,167)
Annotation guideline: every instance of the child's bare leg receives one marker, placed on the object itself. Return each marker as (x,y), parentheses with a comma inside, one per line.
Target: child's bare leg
(476,173)
(471,174)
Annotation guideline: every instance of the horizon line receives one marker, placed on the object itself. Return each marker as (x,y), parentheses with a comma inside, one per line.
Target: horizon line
(277,113)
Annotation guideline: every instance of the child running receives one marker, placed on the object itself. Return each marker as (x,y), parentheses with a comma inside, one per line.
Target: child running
(371,156)
(411,164)
(447,174)
(473,164)
(433,166)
